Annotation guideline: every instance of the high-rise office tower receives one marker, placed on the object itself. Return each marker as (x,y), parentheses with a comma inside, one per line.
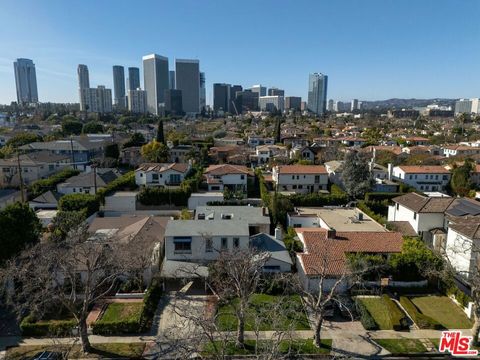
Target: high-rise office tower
(133,78)
(330,105)
(276,92)
(354,105)
(271,103)
(233,95)
(83,86)
(260,90)
(137,101)
(317,93)
(203,93)
(171,79)
(246,100)
(83,77)
(221,97)
(173,102)
(26,81)
(119,86)
(293,102)
(187,79)
(155,79)
(97,99)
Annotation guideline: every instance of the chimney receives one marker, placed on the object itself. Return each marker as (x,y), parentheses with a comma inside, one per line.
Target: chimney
(389,171)
(264,211)
(331,233)
(278,233)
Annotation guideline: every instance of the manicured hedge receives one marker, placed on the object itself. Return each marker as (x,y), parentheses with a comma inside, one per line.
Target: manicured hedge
(397,317)
(163,196)
(116,327)
(124,182)
(423,321)
(150,303)
(365,318)
(30,327)
(39,187)
(317,199)
(364,206)
(380,196)
(78,202)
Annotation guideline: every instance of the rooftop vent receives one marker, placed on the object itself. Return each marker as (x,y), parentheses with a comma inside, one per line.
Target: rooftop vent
(227,216)
(201,216)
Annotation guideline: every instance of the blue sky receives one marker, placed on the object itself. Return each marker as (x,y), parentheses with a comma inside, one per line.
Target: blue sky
(371,49)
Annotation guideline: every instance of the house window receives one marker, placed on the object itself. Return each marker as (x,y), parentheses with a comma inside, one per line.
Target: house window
(242,177)
(300,186)
(154,177)
(293,177)
(183,244)
(410,177)
(141,174)
(208,244)
(397,206)
(317,179)
(297,225)
(445,177)
(224,243)
(414,216)
(236,242)
(294,186)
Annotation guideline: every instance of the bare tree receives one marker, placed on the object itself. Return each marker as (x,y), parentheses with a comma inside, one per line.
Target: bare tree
(74,274)
(460,247)
(235,277)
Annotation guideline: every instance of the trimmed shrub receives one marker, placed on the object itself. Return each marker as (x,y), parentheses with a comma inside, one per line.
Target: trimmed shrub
(380,196)
(365,207)
(39,187)
(124,182)
(365,318)
(116,327)
(78,202)
(163,196)
(423,321)
(317,199)
(397,317)
(150,304)
(30,327)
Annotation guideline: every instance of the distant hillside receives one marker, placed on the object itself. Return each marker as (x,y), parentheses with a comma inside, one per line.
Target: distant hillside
(405,103)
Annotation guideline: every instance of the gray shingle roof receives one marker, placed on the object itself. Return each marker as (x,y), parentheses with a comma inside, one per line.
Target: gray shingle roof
(276,248)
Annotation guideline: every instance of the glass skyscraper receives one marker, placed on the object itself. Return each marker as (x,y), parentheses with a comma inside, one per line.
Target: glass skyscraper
(119,86)
(133,78)
(26,81)
(155,80)
(187,79)
(317,93)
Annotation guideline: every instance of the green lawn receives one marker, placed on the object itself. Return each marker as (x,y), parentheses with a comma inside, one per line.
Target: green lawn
(273,313)
(301,346)
(443,310)
(100,351)
(380,311)
(401,346)
(122,311)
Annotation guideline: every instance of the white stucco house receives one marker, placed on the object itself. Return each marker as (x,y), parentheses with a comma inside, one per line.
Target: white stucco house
(422,177)
(300,178)
(233,177)
(157,174)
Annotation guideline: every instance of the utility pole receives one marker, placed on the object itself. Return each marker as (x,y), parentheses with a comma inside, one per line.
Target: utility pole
(73,156)
(95,178)
(20,176)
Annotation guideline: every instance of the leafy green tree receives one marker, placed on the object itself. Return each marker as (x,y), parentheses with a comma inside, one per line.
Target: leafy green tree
(160,134)
(20,227)
(22,139)
(460,182)
(155,152)
(112,151)
(65,221)
(416,261)
(72,127)
(356,175)
(92,127)
(137,139)
(79,202)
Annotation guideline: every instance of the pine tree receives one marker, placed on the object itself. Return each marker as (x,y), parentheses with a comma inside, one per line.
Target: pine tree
(160,134)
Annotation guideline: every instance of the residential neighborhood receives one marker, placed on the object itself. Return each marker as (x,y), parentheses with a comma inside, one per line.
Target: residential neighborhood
(182,187)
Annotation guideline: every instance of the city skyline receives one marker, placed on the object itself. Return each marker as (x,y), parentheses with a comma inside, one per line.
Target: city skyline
(395,51)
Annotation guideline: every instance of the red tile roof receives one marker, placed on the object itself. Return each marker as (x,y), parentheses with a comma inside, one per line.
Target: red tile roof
(328,256)
(424,169)
(302,169)
(225,169)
